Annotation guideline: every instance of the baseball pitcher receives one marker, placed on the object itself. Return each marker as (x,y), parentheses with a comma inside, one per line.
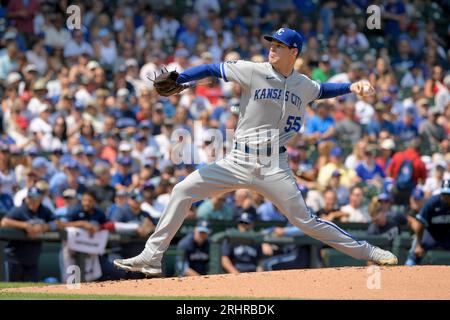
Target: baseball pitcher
(272,110)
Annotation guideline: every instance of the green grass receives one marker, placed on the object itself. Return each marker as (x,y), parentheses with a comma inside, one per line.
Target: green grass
(54,296)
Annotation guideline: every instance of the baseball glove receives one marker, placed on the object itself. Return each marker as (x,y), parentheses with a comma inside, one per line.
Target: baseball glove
(166,85)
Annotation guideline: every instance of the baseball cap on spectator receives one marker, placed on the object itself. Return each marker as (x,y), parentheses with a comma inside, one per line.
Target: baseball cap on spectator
(417,194)
(103,32)
(168,122)
(69,194)
(289,37)
(125,123)
(181,53)
(384,197)
(30,68)
(42,185)
(34,193)
(386,99)
(121,193)
(125,146)
(90,151)
(447,80)
(336,152)
(203,226)
(158,106)
(22,122)
(423,102)
(356,66)
(124,161)
(39,162)
(140,137)
(445,187)
(131,63)
(151,152)
(79,106)
(13,77)
(148,185)
(393,89)
(388,144)
(77,149)
(148,163)
(246,218)
(72,164)
(10,35)
(433,111)
(379,106)
(336,173)
(136,195)
(32,152)
(325,58)
(15,150)
(101,93)
(93,65)
(43,107)
(145,124)
(122,93)
(40,84)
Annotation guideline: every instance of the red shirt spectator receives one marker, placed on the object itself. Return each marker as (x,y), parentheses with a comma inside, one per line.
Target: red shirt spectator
(419,169)
(23,12)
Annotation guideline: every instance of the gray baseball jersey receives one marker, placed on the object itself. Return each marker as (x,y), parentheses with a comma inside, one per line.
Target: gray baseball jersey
(269,101)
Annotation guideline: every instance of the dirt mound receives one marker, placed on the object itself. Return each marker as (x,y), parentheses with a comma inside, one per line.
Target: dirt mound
(421,282)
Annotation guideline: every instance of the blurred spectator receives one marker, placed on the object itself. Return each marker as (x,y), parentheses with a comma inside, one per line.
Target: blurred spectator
(150,205)
(22,256)
(355,211)
(342,192)
(120,200)
(368,170)
(349,129)
(237,257)
(194,251)
(330,210)
(408,170)
(265,209)
(215,208)
(431,131)
(131,219)
(384,221)
(6,201)
(77,46)
(384,159)
(352,39)
(348,176)
(432,231)
(243,202)
(432,184)
(320,130)
(104,191)
(69,200)
(122,178)
(380,122)
(324,71)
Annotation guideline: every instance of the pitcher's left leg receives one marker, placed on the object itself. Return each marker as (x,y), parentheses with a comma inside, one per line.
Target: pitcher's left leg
(282,190)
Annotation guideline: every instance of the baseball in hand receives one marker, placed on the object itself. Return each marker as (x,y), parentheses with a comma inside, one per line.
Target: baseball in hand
(363,88)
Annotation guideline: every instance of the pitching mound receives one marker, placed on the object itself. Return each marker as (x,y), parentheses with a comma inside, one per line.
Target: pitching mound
(422,282)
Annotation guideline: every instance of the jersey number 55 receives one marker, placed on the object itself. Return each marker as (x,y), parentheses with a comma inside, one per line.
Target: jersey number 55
(293,124)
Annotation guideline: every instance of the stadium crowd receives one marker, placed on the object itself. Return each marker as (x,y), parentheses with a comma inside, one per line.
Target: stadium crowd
(85,140)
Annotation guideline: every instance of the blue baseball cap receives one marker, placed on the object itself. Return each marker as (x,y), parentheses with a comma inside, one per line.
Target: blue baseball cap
(418,193)
(336,152)
(124,161)
(145,124)
(39,162)
(90,151)
(203,226)
(289,37)
(445,188)
(34,192)
(246,218)
(72,164)
(384,197)
(125,123)
(136,195)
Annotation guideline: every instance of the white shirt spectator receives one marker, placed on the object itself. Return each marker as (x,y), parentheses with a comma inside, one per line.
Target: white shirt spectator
(201,7)
(40,125)
(169,27)
(73,48)
(364,111)
(358,215)
(56,38)
(8,182)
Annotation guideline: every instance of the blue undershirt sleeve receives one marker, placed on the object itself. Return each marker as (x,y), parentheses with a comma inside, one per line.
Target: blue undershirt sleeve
(331,90)
(200,72)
